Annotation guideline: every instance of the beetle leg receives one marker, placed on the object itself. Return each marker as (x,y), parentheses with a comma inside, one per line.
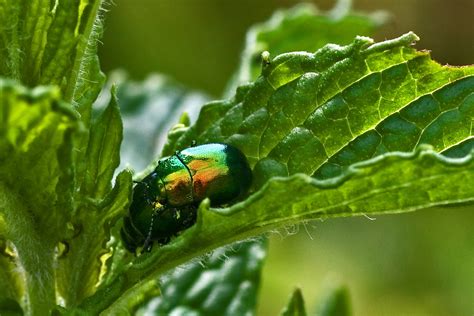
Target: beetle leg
(157,207)
(193,143)
(148,242)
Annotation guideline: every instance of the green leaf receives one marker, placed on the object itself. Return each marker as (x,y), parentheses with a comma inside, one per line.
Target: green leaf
(102,151)
(334,303)
(319,113)
(149,109)
(302,28)
(295,306)
(225,283)
(324,114)
(57,206)
(98,209)
(49,42)
(36,184)
(395,182)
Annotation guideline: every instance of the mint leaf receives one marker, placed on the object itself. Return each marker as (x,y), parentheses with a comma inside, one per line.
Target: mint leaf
(41,192)
(295,306)
(57,206)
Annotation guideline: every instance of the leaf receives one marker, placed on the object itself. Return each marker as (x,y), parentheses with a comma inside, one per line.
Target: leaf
(54,43)
(36,182)
(302,28)
(9,307)
(295,306)
(47,211)
(334,303)
(317,114)
(395,182)
(102,152)
(99,208)
(224,283)
(149,109)
(49,42)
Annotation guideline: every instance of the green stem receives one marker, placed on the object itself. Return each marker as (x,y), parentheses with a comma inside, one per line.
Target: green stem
(34,254)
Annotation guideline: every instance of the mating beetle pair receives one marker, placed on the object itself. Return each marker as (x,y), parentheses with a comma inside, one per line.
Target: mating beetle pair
(165,202)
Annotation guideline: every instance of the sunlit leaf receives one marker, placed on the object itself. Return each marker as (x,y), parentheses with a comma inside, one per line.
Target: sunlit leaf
(301,28)
(49,42)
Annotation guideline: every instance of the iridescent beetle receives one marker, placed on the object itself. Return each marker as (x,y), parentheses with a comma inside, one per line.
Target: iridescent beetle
(165,202)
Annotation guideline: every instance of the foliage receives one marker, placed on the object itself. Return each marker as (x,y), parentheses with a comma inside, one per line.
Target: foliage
(355,129)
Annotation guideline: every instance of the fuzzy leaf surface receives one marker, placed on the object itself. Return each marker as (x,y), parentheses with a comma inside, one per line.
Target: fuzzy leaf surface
(36,186)
(49,42)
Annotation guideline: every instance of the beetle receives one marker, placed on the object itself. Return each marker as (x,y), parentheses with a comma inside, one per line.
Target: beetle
(165,202)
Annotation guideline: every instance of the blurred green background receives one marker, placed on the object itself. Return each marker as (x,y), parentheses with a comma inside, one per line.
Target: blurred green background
(198,42)
(419,263)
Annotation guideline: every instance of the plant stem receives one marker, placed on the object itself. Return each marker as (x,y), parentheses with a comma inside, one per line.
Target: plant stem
(35,255)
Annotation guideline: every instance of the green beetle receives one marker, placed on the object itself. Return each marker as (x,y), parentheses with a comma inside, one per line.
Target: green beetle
(165,202)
